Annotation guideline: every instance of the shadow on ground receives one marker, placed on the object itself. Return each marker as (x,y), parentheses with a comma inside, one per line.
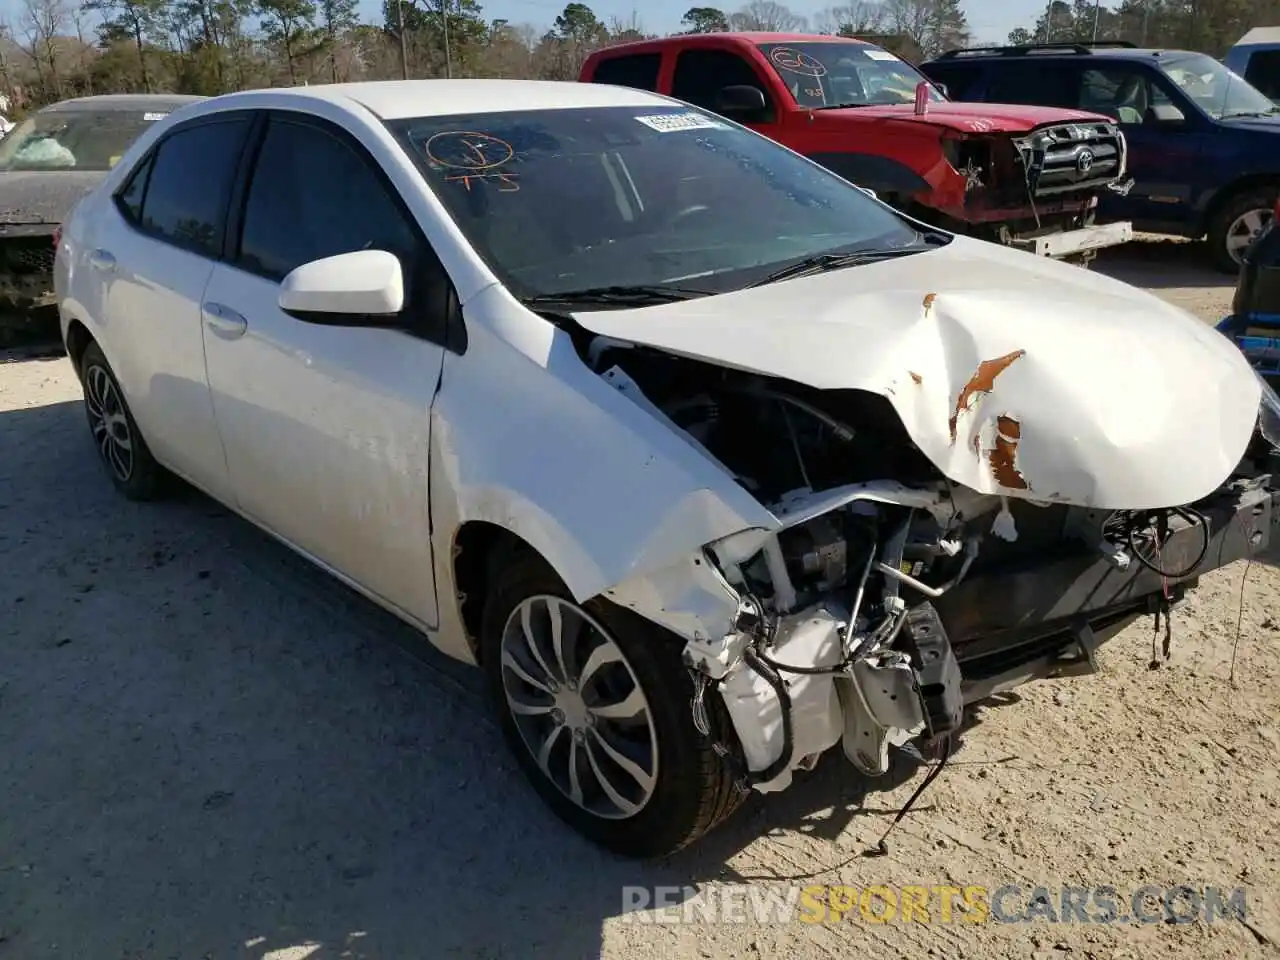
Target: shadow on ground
(1161,263)
(212,749)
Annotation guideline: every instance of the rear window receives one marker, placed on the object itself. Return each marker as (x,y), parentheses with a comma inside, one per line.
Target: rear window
(960,79)
(1264,72)
(639,71)
(74,139)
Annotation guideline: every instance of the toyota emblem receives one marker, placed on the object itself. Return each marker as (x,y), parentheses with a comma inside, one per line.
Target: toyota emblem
(1084,161)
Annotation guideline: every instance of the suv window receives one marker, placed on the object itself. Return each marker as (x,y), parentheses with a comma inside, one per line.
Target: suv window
(958,78)
(312,196)
(189,185)
(701,75)
(130,198)
(639,70)
(1124,92)
(1043,83)
(1263,72)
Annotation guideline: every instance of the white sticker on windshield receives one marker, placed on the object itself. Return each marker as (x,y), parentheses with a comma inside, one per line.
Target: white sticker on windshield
(879,55)
(154,116)
(672,122)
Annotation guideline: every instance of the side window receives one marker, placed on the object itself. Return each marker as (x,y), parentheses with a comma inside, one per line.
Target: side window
(1123,92)
(701,75)
(1036,84)
(130,198)
(959,79)
(313,196)
(189,185)
(639,70)
(1263,72)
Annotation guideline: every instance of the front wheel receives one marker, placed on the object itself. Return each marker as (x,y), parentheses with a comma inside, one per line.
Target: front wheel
(1237,224)
(595,703)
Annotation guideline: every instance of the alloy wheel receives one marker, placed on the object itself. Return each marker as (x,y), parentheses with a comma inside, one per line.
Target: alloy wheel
(1244,230)
(579,707)
(109,423)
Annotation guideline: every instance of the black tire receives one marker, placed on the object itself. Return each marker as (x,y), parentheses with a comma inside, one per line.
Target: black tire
(1234,207)
(144,479)
(694,789)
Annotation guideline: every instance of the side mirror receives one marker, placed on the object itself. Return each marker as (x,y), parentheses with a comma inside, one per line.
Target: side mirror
(1166,115)
(362,288)
(742,101)
(942,89)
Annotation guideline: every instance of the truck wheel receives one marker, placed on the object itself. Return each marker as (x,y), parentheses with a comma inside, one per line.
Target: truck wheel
(594,701)
(1237,223)
(121,449)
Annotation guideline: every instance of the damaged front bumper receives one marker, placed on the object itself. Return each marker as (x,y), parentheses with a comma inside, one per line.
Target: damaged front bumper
(796,685)
(1069,243)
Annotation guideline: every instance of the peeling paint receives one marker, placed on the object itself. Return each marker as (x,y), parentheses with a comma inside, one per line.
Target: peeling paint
(1003,454)
(916,378)
(982,382)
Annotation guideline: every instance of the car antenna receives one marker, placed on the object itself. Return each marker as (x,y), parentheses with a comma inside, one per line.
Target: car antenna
(881,849)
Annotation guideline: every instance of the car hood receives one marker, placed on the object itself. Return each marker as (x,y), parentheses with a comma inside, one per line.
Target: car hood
(43,196)
(1015,375)
(973,117)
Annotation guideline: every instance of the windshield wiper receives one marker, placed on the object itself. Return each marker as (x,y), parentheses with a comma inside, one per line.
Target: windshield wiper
(833,261)
(1252,113)
(635,295)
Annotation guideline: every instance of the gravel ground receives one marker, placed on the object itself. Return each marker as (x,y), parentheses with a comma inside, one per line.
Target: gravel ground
(211,750)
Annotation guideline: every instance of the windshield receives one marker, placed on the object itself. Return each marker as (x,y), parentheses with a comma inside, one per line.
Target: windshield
(835,74)
(1216,90)
(564,200)
(73,139)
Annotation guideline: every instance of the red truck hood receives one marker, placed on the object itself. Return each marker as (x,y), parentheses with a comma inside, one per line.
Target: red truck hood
(973,117)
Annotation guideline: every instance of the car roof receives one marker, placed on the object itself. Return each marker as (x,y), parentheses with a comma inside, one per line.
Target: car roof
(747,36)
(1066,52)
(400,99)
(124,102)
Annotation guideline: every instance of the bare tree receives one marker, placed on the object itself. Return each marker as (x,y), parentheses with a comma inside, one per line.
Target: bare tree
(767,15)
(43,21)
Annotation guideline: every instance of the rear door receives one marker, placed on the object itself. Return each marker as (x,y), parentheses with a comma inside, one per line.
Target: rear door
(156,249)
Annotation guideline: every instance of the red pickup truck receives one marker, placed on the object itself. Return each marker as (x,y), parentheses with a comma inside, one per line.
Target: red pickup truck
(1021,175)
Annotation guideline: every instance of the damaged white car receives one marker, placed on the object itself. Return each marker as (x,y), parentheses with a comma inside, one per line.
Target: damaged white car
(713,462)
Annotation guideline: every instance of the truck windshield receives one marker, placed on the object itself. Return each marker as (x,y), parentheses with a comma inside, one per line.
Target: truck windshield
(1216,90)
(833,74)
(565,200)
(73,139)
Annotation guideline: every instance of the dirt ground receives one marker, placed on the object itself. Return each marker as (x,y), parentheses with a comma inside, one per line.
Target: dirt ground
(208,749)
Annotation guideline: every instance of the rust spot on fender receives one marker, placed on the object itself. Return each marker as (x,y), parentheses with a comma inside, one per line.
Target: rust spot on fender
(916,378)
(983,381)
(928,301)
(1003,455)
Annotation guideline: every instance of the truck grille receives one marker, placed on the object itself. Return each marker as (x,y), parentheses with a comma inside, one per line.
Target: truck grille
(1072,157)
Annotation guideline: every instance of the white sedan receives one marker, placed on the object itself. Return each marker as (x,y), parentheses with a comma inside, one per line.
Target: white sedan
(710,460)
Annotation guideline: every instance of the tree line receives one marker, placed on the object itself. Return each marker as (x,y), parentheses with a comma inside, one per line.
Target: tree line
(54,49)
(1210,26)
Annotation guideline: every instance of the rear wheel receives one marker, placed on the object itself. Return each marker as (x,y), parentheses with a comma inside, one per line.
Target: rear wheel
(1237,223)
(121,449)
(595,703)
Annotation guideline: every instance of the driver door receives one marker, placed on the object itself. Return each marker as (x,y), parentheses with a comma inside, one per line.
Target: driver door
(326,427)
(700,75)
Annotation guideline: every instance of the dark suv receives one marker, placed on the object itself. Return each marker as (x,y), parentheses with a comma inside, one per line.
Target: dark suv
(1204,145)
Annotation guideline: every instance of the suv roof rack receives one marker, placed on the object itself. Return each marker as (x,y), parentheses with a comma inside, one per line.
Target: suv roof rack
(1032,48)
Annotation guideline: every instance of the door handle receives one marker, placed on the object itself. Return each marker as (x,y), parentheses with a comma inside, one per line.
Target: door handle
(102,260)
(223,321)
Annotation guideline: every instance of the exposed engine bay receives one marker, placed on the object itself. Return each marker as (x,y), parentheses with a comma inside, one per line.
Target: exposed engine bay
(891,596)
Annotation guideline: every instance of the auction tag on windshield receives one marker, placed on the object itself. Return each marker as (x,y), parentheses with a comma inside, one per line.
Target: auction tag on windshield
(673,122)
(154,116)
(879,55)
